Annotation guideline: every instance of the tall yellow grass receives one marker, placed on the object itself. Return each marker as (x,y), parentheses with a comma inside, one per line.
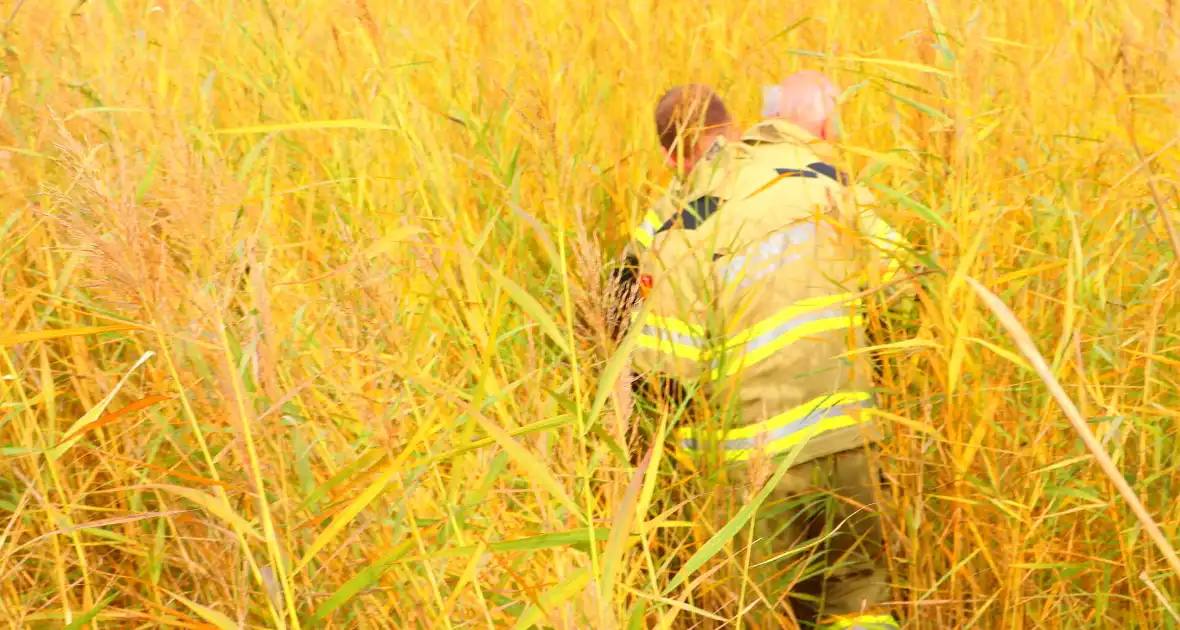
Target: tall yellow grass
(298,307)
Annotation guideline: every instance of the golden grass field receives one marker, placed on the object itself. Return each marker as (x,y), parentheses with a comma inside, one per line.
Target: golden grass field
(297,307)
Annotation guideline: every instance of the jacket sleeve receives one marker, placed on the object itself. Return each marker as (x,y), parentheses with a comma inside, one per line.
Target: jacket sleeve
(622,294)
(646,230)
(889,251)
(659,212)
(671,339)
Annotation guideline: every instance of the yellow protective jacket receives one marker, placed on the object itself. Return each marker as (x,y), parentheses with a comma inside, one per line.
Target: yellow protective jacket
(622,293)
(752,292)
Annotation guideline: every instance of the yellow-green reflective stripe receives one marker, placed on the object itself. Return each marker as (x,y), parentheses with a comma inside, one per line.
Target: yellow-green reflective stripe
(786,418)
(770,437)
(867,622)
(789,313)
(679,346)
(829,423)
(682,339)
(671,324)
(761,348)
(647,230)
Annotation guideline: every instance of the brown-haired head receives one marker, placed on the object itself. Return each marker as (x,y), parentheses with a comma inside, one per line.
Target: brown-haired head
(688,119)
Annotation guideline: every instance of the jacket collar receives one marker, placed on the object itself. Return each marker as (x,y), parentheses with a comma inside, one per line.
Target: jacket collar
(717,146)
(708,169)
(777,131)
(697,193)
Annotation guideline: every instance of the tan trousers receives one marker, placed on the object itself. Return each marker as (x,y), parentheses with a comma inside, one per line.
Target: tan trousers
(819,539)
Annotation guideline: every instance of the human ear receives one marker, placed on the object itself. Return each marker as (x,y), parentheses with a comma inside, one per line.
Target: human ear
(771,100)
(830,129)
(670,159)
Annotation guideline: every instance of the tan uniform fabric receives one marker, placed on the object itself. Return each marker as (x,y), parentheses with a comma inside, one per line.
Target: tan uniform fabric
(880,237)
(819,526)
(665,208)
(752,296)
(622,294)
(661,211)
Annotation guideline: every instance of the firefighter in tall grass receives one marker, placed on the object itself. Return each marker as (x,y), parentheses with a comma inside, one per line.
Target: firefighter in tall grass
(752,289)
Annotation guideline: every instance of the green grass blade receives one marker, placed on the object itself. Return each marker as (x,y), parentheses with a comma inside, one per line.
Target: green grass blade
(537,472)
(731,528)
(362,501)
(308,125)
(553,598)
(536,427)
(638,612)
(94,413)
(362,463)
(211,505)
(362,580)
(569,538)
(218,619)
(59,333)
(530,306)
(81,620)
(620,528)
(905,200)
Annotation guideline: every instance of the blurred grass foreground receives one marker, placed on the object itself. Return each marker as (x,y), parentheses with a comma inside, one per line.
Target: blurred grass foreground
(297,307)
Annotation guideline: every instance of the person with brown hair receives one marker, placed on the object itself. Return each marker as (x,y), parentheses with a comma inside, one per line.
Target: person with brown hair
(689,119)
(752,294)
(692,123)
